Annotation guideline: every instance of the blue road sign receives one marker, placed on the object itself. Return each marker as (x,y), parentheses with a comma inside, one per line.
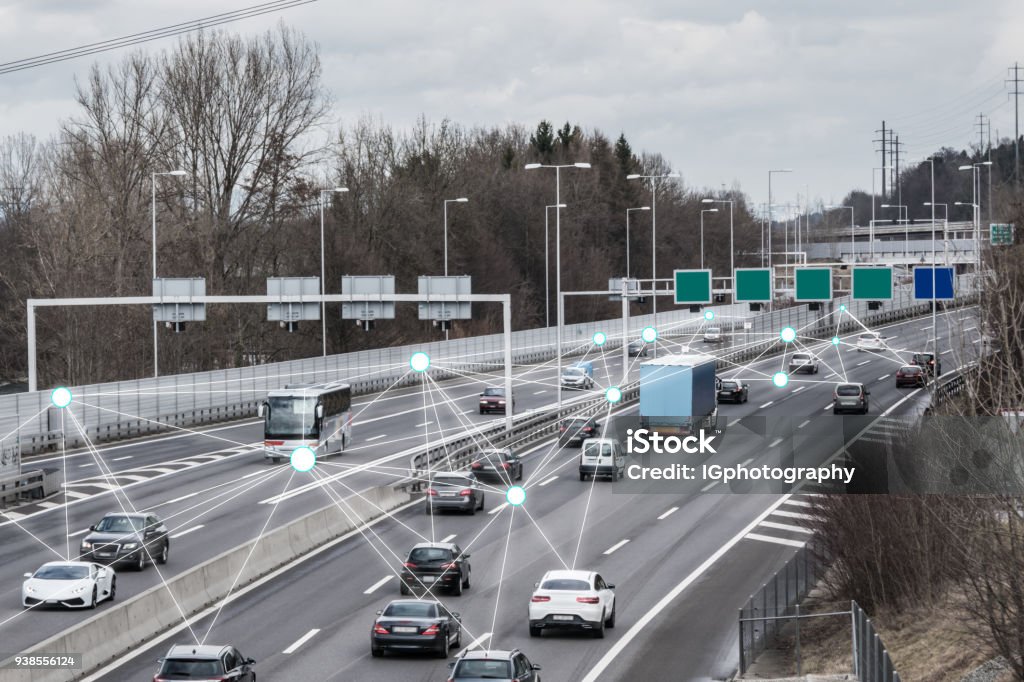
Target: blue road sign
(923,283)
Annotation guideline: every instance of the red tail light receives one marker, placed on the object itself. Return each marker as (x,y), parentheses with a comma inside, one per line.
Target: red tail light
(589,600)
(465,492)
(432,630)
(538,598)
(588,429)
(380,630)
(477,465)
(273,442)
(431,492)
(409,564)
(450,565)
(505,465)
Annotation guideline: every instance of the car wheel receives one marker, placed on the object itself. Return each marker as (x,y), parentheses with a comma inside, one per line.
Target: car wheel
(457,590)
(140,564)
(835,411)
(404,589)
(519,476)
(458,639)
(598,632)
(442,648)
(534,631)
(610,623)
(376,652)
(481,411)
(482,498)
(427,508)
(583,477)
(472,509)
(162,559)
(92,602)
(113,589)
(465,583)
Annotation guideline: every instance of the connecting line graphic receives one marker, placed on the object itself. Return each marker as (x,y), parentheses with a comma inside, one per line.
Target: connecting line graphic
(22,425)
(501,577)
(64,466)
(865,328)
(248,556)
(537,526)
(36,538)
(376,506)
(172,427)
(586,509)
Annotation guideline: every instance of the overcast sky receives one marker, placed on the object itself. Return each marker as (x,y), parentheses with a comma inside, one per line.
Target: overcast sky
(724,89)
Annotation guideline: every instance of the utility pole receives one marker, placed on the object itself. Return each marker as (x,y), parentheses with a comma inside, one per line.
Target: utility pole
(1016,80)
(898,185)
(984,125)
(885,162)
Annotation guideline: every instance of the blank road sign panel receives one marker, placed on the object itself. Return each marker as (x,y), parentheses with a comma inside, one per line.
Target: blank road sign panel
(813,284)
(753,285)
(693,286)
(943,278)
(872,284)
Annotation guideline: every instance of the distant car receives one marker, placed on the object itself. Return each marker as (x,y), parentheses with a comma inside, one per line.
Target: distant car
(637,348)
(803,362)
(602,457)
(850,398)
(436,565)
(494,666)
(575,430)
(572,600)
(870,341)
(415,625)
(502,464)
(493,400)
(454,491)
(205,662)
(578,376)
(733,391)
(713,335)
(73,584)
(929,361)
(911,375)
(119,538)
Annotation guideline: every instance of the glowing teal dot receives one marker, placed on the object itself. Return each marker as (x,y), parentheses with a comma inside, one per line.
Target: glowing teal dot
(780,379)
(600,338)
(419,362)
(842,308)
(515,495)
(835,340)
(303,459)
(649,334)
(613,394)
(709,315)
(788,335)
(60,397)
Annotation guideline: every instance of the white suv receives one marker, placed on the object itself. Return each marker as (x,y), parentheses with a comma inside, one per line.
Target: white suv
(870,341)
(573,600)
(803,362)
(713,335)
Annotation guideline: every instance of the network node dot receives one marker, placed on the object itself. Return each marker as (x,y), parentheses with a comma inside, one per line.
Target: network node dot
(842,308)
(60,397)
(419,362)
(515,495)
(780,379)
(303,459)
(600,338)
(649,334)
(788,335)
(613,394)
(709,315)
(835,340)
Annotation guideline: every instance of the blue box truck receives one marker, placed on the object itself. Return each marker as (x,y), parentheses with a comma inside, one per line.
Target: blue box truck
(678,394)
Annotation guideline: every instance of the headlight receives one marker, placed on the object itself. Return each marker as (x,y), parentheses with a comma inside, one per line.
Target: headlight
(79,589)
(501,402)
(129,545)
(29,588)
(86,546)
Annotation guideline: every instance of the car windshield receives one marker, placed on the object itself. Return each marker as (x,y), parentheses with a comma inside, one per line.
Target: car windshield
(713,330)
(911,370)
(868,337)
(411,610)
(597,450)
(494,391)
(801,356)
(62,573)
(848,390)
(574,424)
(291,418)
(729,385)
(483,669)
(120,524)
(565,584)
(573,371)
(191,668)
(923,357)
(457,481)
(429,554)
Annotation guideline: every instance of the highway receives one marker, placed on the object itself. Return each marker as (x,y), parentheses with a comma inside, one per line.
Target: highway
(646,544)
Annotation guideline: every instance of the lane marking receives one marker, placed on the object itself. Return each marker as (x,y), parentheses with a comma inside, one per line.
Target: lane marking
(748,461)
(48,505)
(546,481)
(775,442)
(828,407)
(884,376)
(77,533)
(301,640)
(188,530)
(766,404)
(14,516)
(475,643)
(786,526)
(777,541)
(669,513)
(448,538)
(121,459)
(370,440)
(424,424)
(946,351)
(924,329)
(798,389)
(498,508)
(793,515)
(90,464)
(255,473)
(861,364)
(539,392)
(377,585)
(970,329)
(617,545)
(806,422)
(183,497)
(74,494)
(709,486)
(798,503)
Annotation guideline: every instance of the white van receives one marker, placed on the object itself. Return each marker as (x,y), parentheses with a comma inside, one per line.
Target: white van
(601,457)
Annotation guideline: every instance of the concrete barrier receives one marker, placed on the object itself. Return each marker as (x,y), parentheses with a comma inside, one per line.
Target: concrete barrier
(127,624)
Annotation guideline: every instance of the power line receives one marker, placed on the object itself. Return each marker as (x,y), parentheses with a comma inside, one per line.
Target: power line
(1016,80)
(150,35)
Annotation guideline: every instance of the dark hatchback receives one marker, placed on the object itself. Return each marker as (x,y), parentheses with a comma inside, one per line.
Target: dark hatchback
(733,392)
(480,664)
(118,539)
(576,430)
(435,565)
(493,400)
(911,375)
(415,625)
(502,464)
(931,363)
(205,662)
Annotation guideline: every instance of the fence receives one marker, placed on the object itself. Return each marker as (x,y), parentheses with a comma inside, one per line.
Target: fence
(133,408)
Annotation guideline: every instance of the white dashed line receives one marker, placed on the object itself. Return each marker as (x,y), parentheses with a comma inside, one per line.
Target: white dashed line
(183,497)
(709,486)
(448,538)
(884,376)
(377,585)
(370,440)
(300,641)
(946,351)
(424,424)
(540,392)
(545,482)
(77,533)
(770,402)
(777,541)
(616,546)
(121,459)
(861,364)
(498,508)
(828,407)
(188,530)
(775,442)
(798,389)
(805,423)
(255,473)
(786,526)
(475,643)
(669,513)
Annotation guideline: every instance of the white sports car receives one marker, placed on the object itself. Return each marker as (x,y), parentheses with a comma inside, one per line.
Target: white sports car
(74,584)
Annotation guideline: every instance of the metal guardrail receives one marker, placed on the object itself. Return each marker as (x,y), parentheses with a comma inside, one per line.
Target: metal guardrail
(29,485)
(871,660)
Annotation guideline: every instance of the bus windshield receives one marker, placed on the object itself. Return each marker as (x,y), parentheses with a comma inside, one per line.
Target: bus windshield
(292,418)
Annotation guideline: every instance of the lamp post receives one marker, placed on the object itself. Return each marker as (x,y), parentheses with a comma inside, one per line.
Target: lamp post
(547,268)
(559,312)
(777,170)
(156,347)
(460,200)
(732,250)
(906,225)
(654,243)
(853,248)
(871,225)
(931,204)
(628,211)
(945,224)
(976,215)
(702,212)
(323,306)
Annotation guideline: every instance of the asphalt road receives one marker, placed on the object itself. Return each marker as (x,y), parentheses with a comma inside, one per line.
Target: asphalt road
(669,538)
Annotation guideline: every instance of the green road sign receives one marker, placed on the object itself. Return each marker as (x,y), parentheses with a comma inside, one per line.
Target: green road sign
(1000,234)
(872,284)
(813,285)
(753,285)
(693,286)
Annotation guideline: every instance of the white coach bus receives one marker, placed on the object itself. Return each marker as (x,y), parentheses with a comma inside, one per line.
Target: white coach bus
(318,416)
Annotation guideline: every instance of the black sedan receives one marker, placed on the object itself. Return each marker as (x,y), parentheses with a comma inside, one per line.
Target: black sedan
(119,539)
(733,392)
(434,566)
(415,625)
(501,464)
(575,430)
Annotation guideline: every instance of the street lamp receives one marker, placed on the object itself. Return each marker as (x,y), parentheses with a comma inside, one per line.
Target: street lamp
(323,306)
(732,251)
(654,243)
(547,268)
(628,211)
(702,212)
(460,200)
(931,204)
(906,225)
(558,258)
(777,170)
(853,248)
(871,225)
(976,215)
(156,348)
